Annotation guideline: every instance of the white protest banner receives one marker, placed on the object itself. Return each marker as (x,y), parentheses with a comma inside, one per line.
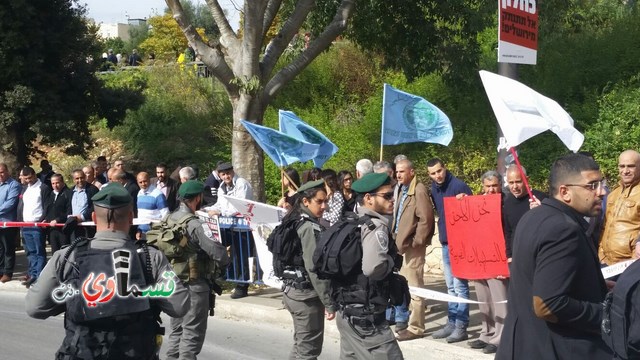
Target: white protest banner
(438,296)
(262,218)
(616,269)
(523,113)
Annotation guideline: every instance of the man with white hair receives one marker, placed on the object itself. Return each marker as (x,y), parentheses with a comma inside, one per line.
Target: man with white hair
(187,173)
(383,167)
(363,167)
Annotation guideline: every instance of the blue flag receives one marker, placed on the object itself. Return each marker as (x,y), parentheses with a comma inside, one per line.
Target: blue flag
(293,126)
(408,118)
(283,149)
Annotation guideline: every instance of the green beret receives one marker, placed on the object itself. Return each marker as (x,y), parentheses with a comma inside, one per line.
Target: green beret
(310,185)
(190,189)
(112,196)
(370,182)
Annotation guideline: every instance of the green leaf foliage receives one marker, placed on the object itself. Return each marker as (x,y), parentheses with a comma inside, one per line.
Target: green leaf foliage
(184,120)
(46,47)
(617,127)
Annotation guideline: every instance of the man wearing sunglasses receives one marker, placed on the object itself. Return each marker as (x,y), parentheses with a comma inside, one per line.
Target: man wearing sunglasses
(557,288)
(622,219)
(412,228)
(364,331)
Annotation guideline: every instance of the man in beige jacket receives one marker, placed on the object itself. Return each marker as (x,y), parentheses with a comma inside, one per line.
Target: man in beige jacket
(412,227)
(622,218)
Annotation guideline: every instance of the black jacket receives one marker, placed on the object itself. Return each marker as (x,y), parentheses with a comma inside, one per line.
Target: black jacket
(556,289)
(58,208)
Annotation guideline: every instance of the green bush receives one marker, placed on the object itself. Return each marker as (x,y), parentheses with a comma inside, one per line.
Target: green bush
(184,120)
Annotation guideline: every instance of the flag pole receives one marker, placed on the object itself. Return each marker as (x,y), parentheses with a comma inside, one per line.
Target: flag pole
(384,97)
(522,174)
(284,175)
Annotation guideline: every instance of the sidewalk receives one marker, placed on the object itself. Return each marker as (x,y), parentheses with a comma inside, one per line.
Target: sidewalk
(265,305)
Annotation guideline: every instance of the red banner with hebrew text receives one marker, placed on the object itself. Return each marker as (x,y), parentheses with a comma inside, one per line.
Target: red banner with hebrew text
(476,239)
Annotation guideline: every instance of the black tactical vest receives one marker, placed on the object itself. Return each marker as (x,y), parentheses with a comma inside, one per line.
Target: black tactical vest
(103,320)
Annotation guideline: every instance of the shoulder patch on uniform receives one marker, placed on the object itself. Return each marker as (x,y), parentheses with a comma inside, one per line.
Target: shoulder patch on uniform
(383,240)
(207,231)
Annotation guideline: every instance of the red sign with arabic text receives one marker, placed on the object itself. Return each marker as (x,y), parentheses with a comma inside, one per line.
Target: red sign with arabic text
(476,240)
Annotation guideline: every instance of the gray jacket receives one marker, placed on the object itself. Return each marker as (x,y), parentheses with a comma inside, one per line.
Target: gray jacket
(376,262)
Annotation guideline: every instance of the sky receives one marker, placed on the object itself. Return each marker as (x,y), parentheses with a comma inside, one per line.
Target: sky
(116,11)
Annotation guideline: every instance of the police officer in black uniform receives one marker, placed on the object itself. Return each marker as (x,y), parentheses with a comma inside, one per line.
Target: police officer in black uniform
(110,290)
(364,330)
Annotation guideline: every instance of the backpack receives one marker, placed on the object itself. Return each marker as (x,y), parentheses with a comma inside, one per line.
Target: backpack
(620,327)
(284,243)
(170,237)
(339,251)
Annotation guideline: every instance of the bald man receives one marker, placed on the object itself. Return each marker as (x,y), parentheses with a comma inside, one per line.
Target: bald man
(152,205)
(622,218)
(516,204)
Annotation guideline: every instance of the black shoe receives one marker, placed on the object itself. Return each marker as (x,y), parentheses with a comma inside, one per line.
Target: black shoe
(477,344)
(240,292)
(29,282)
(401,326)
(490,349)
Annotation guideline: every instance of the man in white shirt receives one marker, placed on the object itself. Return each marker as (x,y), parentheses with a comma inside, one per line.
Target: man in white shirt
(232,185)
(235,186)
(31,209)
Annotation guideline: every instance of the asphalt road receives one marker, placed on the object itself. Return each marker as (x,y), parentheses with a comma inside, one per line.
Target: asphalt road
(22,337)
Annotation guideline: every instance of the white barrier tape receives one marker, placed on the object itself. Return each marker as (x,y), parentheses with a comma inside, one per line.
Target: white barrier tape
(616,269)
(136,221)
(438,296)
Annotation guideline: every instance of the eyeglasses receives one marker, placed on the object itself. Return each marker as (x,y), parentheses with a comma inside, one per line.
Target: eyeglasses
(386,196)
(593,186)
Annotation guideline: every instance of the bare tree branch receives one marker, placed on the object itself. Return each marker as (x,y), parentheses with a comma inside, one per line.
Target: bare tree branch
(252,36)
(212,57)
(221,21)
(316,47)
(272,10)
(282,40)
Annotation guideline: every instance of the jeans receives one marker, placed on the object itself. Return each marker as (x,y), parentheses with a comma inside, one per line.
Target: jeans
(458,313)
(398,314)
(34,247)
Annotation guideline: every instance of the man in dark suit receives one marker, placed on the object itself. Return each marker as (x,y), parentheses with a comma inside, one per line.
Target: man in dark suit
(557,288)
(57,210)
(167,185)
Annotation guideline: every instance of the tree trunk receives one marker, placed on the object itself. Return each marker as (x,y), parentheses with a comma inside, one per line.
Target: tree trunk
(12,152)
(247,157)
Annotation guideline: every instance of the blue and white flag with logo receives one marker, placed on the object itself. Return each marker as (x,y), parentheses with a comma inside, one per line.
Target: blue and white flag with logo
(292,125)
(407,118)
(283,149)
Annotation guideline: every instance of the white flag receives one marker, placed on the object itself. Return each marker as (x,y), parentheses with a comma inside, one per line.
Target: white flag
(523,113)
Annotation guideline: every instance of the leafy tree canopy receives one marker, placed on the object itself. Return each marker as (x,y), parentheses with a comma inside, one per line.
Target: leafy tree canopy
(166,39)
(46,52)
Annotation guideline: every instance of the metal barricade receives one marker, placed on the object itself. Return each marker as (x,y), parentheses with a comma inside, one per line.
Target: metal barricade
(236,235)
